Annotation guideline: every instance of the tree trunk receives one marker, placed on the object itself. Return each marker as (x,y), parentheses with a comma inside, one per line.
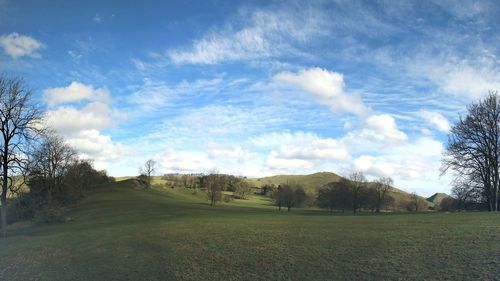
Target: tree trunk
(3,213)
(3,199)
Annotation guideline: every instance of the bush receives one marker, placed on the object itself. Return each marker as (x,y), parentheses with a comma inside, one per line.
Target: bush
(227,198)
(50,214)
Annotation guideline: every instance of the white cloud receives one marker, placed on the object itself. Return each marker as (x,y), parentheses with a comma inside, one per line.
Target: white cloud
(16,45)
(92,144)
(467,80)
(327,87)
(382,127)
(151,95)
(470,77)
(228,152)
(73,93)
(436,119)
(264,34)
(67,120)
(97,18)
(275,161)
(373,166)
(81,126)
(173,161)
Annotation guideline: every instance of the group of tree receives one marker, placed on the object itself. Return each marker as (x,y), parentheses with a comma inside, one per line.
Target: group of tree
(355,194)
(216,183)
(38,168)
(473,155)
(54,176)
(289,195)
(183,180)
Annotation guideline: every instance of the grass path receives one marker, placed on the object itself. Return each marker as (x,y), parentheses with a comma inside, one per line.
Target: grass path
(124,234)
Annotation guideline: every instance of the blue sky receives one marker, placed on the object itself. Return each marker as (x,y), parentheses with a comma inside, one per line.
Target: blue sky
(257,88)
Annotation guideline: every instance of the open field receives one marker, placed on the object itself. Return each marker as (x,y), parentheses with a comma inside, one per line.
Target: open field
(120,233)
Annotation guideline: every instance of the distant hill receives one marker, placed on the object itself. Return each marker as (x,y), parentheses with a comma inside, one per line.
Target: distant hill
(437,198)
(309,182)
(314,181)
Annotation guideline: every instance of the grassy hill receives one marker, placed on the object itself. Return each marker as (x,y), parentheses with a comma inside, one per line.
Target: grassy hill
(124,233)
(437,198)
(314,181)
(309,182)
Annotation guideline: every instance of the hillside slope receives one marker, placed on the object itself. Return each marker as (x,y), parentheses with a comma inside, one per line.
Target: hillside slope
(125,233)
(309,182)
(437,198)
(314,181)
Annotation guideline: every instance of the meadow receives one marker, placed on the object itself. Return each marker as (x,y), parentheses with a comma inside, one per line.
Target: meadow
(123,233)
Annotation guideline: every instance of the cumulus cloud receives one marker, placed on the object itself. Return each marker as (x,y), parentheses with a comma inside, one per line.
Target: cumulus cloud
(373,166)
(16,45)
(93,145)
(382,127)
(73,93)
(67,120)
(81,126)
(435,119)
(327,87)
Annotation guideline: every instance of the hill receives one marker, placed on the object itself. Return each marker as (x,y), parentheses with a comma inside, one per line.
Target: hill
(123,233)
(309,182)
(437,198)
(314,181)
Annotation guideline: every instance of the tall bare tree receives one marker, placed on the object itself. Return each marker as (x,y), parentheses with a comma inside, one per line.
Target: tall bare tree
(148,171)
(473,150)
(51,161)
(20,121)
(382,186)
(358,184)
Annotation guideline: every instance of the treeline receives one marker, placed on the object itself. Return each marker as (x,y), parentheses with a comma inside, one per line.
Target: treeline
(53,177)
(353,193)
(39,171)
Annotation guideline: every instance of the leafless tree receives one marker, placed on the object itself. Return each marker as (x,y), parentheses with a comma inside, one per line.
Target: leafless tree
(382,186)
(20,121)
(358,184)
(417,203)
(148,171)
(473,149)
(51,161)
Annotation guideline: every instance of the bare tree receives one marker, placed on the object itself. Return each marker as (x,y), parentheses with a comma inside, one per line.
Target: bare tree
(417,203)
(382,186)
(51,161)
(20,121)
(473,150)
(358,184)
(148,171)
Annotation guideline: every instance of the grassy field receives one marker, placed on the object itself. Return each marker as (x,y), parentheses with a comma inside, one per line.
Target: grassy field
(120,233)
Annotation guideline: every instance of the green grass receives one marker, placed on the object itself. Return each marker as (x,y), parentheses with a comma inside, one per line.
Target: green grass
(121,233)
(309,182)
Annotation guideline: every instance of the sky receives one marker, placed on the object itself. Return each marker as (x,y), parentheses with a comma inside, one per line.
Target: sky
(257,88)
